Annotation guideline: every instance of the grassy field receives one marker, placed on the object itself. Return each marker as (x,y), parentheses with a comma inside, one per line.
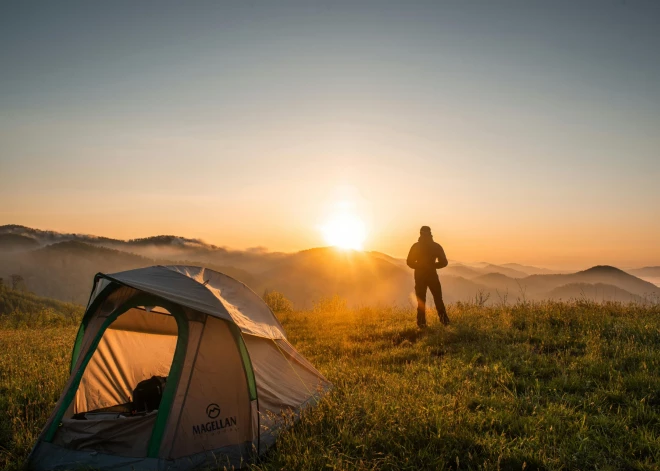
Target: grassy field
(531,386)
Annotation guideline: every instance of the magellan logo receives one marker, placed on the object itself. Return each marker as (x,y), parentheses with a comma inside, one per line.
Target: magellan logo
(216,424)
(212,410)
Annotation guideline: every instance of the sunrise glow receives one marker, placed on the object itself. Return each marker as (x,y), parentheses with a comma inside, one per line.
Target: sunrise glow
(345,230)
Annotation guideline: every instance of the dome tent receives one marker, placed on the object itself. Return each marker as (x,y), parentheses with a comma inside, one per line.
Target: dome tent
(231,375)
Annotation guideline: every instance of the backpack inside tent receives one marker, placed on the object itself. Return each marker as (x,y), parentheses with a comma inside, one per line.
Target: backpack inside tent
(175,368)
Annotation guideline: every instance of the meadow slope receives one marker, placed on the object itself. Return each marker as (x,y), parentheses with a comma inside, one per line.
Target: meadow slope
(531,386)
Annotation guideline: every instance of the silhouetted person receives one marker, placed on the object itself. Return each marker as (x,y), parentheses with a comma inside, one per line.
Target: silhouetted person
(425,257)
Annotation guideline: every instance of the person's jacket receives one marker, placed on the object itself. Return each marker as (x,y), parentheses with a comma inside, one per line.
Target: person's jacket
(426,256)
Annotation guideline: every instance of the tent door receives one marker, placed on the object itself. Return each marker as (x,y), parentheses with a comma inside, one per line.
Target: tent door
(158,420)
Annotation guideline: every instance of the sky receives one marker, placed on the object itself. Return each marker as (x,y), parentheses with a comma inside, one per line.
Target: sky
(522,131)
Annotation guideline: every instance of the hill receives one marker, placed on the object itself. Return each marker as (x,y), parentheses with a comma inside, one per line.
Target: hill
(13,242)
(24,308)
(169,240)
(399,262)
(359,277)
(64,269)
(51,237)
(457,269)
(547,386)
(650,274)
(161,247)
(645,271)
(598,292)
(599,274)
(529,270)
(538,287)
(499,282)
(457,288)
(466,271)
(510,272)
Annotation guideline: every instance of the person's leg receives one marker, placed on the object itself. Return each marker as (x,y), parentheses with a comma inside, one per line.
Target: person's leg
(420,292)
(436,291)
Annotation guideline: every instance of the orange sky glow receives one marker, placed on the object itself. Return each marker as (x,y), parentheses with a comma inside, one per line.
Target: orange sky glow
(520,133)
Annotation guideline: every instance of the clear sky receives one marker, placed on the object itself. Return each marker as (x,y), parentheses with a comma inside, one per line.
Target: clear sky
(521,131)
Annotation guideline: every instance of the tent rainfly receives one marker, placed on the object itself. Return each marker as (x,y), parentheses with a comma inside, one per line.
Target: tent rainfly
(229,379)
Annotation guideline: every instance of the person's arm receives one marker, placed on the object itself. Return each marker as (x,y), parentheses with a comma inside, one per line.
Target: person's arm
(442,258)
(411,261)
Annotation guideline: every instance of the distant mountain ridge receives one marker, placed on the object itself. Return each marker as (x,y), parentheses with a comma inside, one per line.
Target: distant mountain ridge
(601,274)
(169,247)
(62,266)
(650,274)
(597,292)
(12,242)
(473,271)
(49,237)
(645,271)
(529,270)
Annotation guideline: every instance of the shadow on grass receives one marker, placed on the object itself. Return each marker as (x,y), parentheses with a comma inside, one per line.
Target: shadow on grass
(395,338)
(411,335)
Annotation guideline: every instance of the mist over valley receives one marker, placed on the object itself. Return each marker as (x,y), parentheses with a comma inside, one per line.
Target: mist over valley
(60,266)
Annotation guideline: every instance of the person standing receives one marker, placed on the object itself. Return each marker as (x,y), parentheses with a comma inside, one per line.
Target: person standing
(425,257)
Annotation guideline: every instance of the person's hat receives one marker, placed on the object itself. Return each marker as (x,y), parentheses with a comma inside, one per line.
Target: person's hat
(425,230)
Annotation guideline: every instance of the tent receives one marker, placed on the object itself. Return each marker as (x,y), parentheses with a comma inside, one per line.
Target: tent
(232,378)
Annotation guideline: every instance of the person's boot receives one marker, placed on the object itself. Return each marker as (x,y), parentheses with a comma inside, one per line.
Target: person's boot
(421,319)
(442,314)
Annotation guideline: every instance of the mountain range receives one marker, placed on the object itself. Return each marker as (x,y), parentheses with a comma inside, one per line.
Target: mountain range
(62,266)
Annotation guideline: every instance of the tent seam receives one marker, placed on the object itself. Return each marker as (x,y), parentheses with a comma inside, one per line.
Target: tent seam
(221,302)
(185,398)
(247,351)
(109,277)
(294,370)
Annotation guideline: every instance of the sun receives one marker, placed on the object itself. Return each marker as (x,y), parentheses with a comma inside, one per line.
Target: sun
(345,230)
